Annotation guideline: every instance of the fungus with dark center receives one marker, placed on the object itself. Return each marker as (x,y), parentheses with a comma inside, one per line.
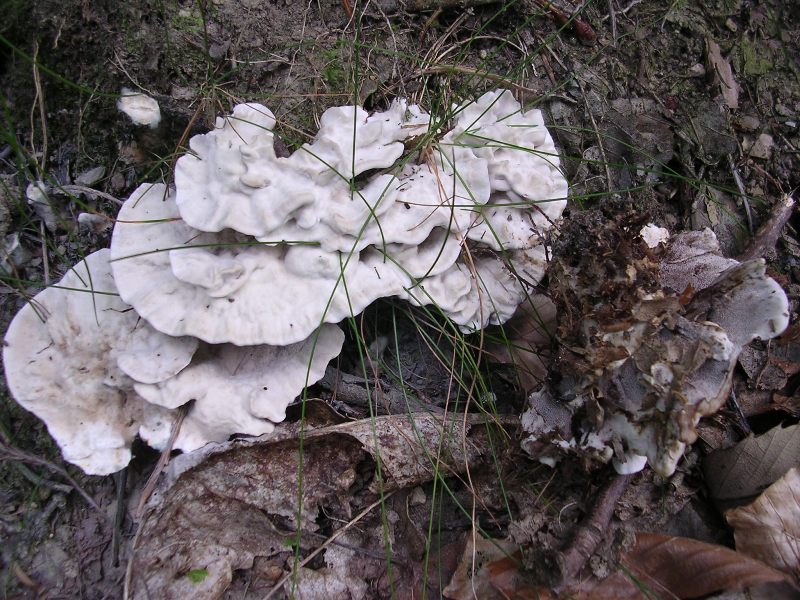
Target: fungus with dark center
(650,367)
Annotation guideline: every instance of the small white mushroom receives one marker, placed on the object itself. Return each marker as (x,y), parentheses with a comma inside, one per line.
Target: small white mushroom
(653,235)
(140,108)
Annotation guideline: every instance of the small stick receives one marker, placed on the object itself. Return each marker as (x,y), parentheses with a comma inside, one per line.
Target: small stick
(591,532)
(743,423)
(328,542)
(26,581)
(443,69)
(45,261)
(428,22)
(347,8)
(121,480)
(82,189)
(37,84)
(583,30)
(612,13)
(162,462)
(768,234)
(745,199)
(422,5)
(9,452)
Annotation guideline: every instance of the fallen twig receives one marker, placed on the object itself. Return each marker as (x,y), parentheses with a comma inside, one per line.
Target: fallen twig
(90,192)
(162,462)
(26,581)
(8,452)
(279,586)
(767,235)
(443,69)
(422,5)
(591,532)
(121,480)
(743,194)
(582,29)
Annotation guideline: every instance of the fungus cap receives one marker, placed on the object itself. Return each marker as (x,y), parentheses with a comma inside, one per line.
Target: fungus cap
(243,390)
(234,180)
(70,356)
(140,108)
(227,288)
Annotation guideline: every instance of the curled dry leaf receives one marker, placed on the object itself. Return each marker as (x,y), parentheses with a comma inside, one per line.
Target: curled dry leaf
(238,509)
(769,528)
(742,472)
(661,566)
(724,74)
(483,562)
(527,340)
(686,568)
(658,566)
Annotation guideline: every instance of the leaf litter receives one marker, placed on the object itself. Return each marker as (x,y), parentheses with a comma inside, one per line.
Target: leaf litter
(768,529)
(237,509)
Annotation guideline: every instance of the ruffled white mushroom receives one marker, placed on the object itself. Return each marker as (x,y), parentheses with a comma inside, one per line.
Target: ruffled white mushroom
(72,357)
(233,179)
(243,390)
(494,179)
(491,183)
(226,288)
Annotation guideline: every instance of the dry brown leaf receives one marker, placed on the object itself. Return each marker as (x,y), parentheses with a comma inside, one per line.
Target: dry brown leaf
(687,568)
(769,528)
(239,505)
(742,472)
(472,579)
(724,74)
(528,335)
(661,566)
(658,566)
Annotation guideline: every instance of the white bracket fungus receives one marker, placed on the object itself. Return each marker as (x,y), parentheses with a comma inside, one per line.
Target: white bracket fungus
(72,356)
(242,390)
(226,288)
(431,234)
(259,255)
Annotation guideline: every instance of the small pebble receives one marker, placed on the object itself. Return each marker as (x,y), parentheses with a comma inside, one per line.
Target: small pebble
(90,177)
(748,123)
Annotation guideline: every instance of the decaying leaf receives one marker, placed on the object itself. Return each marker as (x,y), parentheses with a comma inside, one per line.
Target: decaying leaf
(740,473)
(243,505)
(769,528)
(658,566)
(527,341)
(482,561)
(724,74)
(661,566)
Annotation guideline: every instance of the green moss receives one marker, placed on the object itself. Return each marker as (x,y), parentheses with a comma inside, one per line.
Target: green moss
(188,20)
(754,59)
(333,71)
(197,575)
